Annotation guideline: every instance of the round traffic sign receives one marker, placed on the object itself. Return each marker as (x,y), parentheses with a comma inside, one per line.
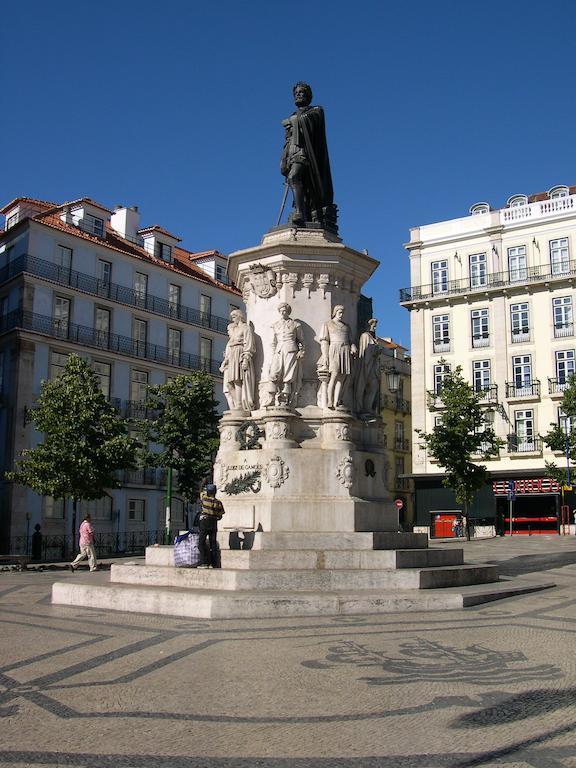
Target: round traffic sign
(399,503)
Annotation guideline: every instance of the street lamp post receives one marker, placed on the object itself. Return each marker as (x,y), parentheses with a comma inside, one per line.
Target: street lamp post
(168,505)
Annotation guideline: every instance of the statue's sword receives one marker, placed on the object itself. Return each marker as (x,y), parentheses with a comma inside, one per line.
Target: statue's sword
(284,198)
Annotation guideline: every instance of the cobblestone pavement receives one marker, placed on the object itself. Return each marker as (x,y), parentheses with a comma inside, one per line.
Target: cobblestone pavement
(488,686)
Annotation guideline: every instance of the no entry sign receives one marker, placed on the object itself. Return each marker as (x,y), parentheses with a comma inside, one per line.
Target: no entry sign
(399,503)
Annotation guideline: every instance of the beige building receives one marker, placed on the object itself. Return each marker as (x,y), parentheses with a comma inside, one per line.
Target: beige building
(494,293)
(396,414)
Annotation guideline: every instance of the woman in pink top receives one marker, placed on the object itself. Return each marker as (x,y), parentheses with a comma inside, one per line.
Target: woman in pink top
(86,543)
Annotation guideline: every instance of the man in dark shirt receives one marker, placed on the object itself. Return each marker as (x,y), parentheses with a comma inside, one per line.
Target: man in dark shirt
(211,511)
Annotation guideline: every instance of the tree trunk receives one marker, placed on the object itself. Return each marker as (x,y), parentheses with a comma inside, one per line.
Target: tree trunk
(74,518)
(467,518)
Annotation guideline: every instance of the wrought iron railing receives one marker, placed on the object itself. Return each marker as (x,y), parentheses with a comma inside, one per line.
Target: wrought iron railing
(56,548)
(401,444)
(91,337)
(105,289)
(489,393)
(523,389)
(493,280)
(558,386)
(523,444)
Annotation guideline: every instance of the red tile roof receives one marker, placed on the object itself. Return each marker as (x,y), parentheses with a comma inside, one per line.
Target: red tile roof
(158,228)
(31,200)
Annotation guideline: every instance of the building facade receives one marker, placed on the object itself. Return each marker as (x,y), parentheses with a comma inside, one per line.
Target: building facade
(494,293)
(81,278)
(396,414)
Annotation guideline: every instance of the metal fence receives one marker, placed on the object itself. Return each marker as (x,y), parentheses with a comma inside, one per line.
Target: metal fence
(55,548)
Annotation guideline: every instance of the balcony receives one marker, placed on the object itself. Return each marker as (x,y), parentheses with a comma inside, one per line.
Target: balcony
(401,444)
(112,342)
(480,340)
(562,330)
(133,409)
(523,390)
(489,393)
(112,291)
(522,444)
(559,385)
(541,210)
(520,335)
(395,403)
(441,345)
(493,281)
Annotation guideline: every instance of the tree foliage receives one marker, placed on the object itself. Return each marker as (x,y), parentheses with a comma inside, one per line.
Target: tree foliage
(462,433)
(185,427)
(85,440)
(555,438)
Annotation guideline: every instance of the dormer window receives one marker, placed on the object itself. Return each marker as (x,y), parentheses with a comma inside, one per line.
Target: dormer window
(220,273)
(93,224)
(12,220)
(479,208)
(164,252)
(559,191)
(517,200)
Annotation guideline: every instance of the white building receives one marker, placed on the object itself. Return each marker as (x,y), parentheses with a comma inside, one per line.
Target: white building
(81,278)
(494,292)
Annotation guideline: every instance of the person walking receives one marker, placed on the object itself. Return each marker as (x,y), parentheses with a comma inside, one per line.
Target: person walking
(211,510)
(86,542)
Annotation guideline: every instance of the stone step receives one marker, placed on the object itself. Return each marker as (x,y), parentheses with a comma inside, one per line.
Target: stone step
(266,559)
(209,604)
(314,540)
(303,580)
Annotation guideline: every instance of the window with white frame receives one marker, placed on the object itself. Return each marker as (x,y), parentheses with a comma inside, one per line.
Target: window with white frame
(54,509)
(441,333)
(205,352)
(140,335)
(102,325)
(98,509)
(399,435)
(94,225)
(441,371)
(517,263)
(564,366)
(563,316)
(559,256)
(136,510)
(520,322)
(64,258)
(517,200)
(566,423)
(138,385)
(478,272)
(61,316)
(104,373)
(58,361)
(174,298)
(174,345)
(559,191)
(220,273)
(524,430)
(480,328)
(481,375)
(205,309)
(140,287)
(522,374)
(440,276)
(104,276)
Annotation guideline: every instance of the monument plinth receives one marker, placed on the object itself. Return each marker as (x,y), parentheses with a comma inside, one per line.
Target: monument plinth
(314,465)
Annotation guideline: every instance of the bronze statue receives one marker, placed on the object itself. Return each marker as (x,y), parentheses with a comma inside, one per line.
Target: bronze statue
(306,165)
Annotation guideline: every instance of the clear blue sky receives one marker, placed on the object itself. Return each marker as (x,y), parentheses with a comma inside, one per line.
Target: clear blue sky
(177,107)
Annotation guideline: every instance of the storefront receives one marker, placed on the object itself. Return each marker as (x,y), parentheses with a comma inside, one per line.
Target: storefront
(529,506)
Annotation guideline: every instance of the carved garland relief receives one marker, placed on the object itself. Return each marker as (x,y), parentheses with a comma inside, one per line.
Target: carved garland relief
(345,472)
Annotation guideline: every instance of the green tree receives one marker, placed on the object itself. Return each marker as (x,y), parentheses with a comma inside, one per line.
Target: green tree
(85,440)
(557,440)
(462,433)
(185,427)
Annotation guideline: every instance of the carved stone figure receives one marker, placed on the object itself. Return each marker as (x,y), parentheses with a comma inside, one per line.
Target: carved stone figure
(288,351)
(337,353)
(238,363)
(306,165)
(367,378)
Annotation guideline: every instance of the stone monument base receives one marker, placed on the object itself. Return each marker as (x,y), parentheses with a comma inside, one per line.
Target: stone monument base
(289,574)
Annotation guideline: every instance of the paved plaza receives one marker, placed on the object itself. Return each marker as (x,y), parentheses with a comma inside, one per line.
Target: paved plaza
(488,686)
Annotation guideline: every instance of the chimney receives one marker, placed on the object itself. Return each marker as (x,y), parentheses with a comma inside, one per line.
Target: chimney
(126,222)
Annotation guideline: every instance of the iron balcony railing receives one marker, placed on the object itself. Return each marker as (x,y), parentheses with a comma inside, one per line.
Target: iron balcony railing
(104,289)
(562,330)
(520,335)
(558,385)
(489,393)
(523,444)
(493,280)
(441,345)
(523,388)
(401,444)
(112,342)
